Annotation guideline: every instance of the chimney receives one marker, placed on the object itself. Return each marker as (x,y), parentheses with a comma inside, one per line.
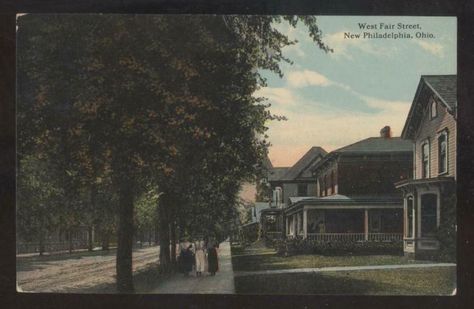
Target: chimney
(386,132)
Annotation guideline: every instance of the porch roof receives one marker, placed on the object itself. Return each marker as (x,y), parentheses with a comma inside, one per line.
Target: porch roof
(423,181)
(272,210)
(343,200)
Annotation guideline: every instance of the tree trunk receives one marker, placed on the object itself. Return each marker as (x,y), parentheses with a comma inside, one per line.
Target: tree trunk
(156,236)
(90,231)
(90,238)
(70,241)
(125,240)
(41,243)
(173,243)
(164,234)
(149,238)
(105,239)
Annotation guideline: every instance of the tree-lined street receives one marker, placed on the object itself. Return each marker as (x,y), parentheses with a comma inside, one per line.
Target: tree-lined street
(132,125)
(79,272)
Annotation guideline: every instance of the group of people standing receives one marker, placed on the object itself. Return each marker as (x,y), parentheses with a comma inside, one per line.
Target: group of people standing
(200,256)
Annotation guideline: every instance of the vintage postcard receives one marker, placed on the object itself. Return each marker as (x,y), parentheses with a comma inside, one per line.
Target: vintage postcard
(236,154)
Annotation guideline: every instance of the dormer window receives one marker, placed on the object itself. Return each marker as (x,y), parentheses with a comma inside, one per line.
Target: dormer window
(433,109)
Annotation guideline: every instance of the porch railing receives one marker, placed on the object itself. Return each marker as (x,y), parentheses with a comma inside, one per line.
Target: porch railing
(385,236)
(334,237)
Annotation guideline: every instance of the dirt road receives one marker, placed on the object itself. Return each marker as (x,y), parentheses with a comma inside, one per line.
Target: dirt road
(76,272)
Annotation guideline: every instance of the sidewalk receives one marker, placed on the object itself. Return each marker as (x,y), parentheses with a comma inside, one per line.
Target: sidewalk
(342,268)
(221,283)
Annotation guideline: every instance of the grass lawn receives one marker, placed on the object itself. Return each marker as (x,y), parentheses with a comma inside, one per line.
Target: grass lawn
(432,281)
(435,281)
(260,258)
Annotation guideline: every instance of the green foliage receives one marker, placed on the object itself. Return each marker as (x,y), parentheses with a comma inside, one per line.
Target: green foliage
(299,245)
(146,212)
(40,195)
(124,103)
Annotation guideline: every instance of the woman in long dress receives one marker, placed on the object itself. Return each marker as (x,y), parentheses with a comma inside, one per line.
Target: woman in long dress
(200,258)
(212,260)
(188,260)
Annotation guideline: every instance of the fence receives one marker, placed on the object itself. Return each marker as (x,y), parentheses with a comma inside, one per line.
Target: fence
(34,247)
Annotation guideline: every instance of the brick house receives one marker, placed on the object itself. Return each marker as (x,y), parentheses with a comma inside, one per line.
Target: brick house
(429,196)
(355,198)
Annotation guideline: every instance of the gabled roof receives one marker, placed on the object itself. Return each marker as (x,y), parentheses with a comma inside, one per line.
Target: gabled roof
(377,145)
(300,167)
(443,87)
(369,146)
(267,163)
(277,173)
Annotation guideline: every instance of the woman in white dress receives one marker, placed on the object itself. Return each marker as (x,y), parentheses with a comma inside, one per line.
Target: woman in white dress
(200,258)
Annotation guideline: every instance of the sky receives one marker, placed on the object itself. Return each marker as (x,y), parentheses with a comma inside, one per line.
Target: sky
(335,99)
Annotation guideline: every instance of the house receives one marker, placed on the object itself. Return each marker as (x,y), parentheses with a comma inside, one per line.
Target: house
(261,197)
(287,182)
(251,230)
(429,196)
(355,198)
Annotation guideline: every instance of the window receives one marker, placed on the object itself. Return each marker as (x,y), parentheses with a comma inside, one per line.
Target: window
(443,153)
(302,189)
(277,197)
(410,209)
(434,110)
(375,223)
(425,160)
(429,214)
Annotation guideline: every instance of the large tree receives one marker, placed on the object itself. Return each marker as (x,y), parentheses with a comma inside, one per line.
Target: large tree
(161,100)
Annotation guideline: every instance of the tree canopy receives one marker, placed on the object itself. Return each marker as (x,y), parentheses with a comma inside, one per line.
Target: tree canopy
(119,104)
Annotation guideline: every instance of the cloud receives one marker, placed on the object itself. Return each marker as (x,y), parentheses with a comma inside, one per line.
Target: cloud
(387,105)
(299,79)
(280,96)
(433,48)
(296,49)
(343,47)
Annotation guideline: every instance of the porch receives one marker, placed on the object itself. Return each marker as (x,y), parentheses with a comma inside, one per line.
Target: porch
(346,225)
(271,220)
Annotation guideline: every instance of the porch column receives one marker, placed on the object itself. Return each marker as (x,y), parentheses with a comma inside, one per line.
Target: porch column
(305,223)
(298,223)
(366,224)
(294,225)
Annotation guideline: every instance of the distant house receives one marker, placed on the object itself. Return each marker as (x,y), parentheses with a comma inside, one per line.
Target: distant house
(354,198)
(429,196)
(287,182)
(261,199)
(252,229)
